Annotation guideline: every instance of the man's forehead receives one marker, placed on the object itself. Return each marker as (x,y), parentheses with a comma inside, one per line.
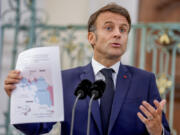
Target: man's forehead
(120,23)
(109,17)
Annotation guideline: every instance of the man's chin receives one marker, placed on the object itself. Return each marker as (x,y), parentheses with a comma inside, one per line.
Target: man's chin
(115,57)
(116,54)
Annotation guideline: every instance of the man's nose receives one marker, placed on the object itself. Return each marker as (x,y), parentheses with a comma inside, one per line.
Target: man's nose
(117,33)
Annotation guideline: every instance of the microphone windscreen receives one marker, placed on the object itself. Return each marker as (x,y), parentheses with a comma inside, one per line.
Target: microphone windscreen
(101,85)
(97,88)
(83,88)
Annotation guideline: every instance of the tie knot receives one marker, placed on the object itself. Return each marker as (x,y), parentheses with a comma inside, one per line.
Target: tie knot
(107,72)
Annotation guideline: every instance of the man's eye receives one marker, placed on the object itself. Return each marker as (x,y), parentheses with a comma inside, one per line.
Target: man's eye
(122,30)
(108,28)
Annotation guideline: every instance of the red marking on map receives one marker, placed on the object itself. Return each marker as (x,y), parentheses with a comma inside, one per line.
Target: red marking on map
(50,89)
(35,79)
(29,81)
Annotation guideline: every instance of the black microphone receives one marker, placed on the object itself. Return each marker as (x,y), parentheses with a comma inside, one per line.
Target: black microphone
(97,89)
(95,92)
(81,92)
(83,88)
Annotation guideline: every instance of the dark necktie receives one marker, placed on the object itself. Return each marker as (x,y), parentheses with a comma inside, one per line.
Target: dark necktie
(107,99)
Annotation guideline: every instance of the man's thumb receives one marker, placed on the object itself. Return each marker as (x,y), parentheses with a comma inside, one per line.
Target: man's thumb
(162,103)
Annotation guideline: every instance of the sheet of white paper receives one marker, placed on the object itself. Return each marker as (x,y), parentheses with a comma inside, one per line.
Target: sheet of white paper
(39,95)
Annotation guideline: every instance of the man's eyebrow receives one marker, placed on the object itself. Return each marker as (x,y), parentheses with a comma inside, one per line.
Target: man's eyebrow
(108,22)
(125,25)
(122,25)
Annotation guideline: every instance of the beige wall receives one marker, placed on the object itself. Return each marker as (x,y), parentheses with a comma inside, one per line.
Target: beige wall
(66,12)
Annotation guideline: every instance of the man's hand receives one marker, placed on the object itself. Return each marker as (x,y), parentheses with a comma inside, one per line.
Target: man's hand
(153,117)
(10,81)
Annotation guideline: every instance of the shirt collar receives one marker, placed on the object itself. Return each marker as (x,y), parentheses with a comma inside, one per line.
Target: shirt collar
(97,66)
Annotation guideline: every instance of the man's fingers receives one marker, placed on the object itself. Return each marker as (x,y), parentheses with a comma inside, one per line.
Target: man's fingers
(9,89)
(142,118)
(159,105)
(15,71)
(150,108)
(11,81)
(162,103)
(146,112)
(14,74)
(12,78)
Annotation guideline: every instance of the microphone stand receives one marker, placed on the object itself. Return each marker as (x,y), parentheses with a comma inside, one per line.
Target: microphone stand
(73,113)
(95,92)
(89,114)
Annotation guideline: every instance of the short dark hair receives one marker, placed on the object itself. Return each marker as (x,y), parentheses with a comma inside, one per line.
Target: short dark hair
(112,7)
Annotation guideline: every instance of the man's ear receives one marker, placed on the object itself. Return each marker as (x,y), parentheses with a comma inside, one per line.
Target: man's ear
(92,38)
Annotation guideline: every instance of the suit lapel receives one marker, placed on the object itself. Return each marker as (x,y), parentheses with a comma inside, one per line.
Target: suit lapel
(89,74)
(122,84)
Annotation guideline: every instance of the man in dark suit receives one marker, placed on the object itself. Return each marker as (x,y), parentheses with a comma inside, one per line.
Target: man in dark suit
(134,105)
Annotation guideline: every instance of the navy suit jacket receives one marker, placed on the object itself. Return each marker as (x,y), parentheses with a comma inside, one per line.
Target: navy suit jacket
(132,87)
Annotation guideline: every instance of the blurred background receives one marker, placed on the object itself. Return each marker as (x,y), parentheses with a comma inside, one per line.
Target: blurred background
(154,42)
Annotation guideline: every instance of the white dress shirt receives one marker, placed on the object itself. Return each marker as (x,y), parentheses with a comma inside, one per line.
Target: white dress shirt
(99,76)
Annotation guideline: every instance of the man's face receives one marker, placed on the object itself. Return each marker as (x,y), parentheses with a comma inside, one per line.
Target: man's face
(110,38)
